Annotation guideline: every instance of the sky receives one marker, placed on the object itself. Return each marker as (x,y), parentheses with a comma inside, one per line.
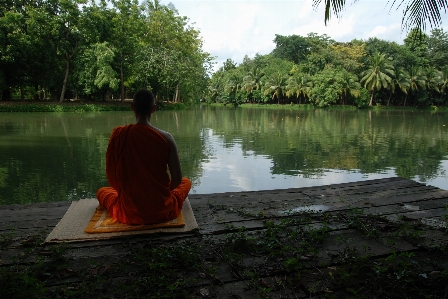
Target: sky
(233,29)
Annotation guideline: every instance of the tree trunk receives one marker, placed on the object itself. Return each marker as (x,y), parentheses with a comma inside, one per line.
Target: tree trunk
(404,104)
(121,77)
(371,98)
(388,100)
(176,94)
(22,96)
(36,92)
(64,84)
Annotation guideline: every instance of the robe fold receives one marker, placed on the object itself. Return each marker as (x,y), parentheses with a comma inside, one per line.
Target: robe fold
(136,168)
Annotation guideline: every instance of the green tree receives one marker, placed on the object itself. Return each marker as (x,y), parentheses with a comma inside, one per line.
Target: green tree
(433,79)
(232,86)
(378,75)
(417,42)
(401,81)
(276,86)
(98,72)
(14,45)
(126,28)
(321,55)
(228,65)
(444,79)
(252,81)
(171,60)
(216,87)
(67,19)
(299,85)
(349,55)
(327,87)
(438,48)
(416,80)
(294,48)
(350,86)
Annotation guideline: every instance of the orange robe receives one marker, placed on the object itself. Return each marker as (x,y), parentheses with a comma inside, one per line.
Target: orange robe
(136,168)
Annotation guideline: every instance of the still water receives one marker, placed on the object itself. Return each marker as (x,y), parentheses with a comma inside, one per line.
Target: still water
(54,157)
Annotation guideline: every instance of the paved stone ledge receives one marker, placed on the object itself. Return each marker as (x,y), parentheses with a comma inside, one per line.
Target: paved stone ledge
(374,221)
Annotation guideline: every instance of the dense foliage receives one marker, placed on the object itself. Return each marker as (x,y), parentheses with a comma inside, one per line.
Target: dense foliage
(68,49)
(320,71)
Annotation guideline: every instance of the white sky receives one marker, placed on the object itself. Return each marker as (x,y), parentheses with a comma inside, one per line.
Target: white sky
(233,29)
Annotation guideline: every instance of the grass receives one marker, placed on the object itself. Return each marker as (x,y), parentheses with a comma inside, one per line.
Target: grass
(78,107)
(300,255)
(292,106)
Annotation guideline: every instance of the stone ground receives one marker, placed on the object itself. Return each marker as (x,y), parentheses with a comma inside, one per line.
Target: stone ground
(383,238)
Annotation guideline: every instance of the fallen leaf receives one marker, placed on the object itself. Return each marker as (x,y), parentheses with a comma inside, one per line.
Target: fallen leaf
(95,271)
(107,268)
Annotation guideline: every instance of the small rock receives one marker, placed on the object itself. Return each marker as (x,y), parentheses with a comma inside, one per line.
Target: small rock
(204,292)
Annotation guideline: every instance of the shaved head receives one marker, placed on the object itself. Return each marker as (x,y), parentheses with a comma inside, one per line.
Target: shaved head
(143,102)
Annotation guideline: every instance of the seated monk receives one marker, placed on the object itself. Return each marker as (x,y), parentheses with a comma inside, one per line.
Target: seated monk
(142,191)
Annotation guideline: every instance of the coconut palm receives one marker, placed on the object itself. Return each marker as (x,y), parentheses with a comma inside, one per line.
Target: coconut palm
(444,80)
(216,87)
(299,86)
(416,13)
(252,81)
(276,85)
(232,87)
(416,80)
(432,77)
(349,85)
(378,75)
(400,81)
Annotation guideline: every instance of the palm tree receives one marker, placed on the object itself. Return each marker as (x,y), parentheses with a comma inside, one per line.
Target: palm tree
(299,86)
(400,80)
(433,77)
(277,86)
(350,85)
(378,75)
(416,13)
(416,80)
(215,88)
(232,87)
(252,81)
(443,81)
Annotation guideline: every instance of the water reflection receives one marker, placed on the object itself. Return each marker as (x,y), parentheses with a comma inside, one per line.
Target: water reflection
(230,169)
(52,157)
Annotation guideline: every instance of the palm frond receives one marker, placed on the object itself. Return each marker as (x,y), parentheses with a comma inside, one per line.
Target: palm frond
(416,13)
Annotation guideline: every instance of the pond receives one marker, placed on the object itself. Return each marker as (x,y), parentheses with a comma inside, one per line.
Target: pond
(54,157)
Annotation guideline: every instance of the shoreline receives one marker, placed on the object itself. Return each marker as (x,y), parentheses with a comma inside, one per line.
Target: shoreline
(82,106)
